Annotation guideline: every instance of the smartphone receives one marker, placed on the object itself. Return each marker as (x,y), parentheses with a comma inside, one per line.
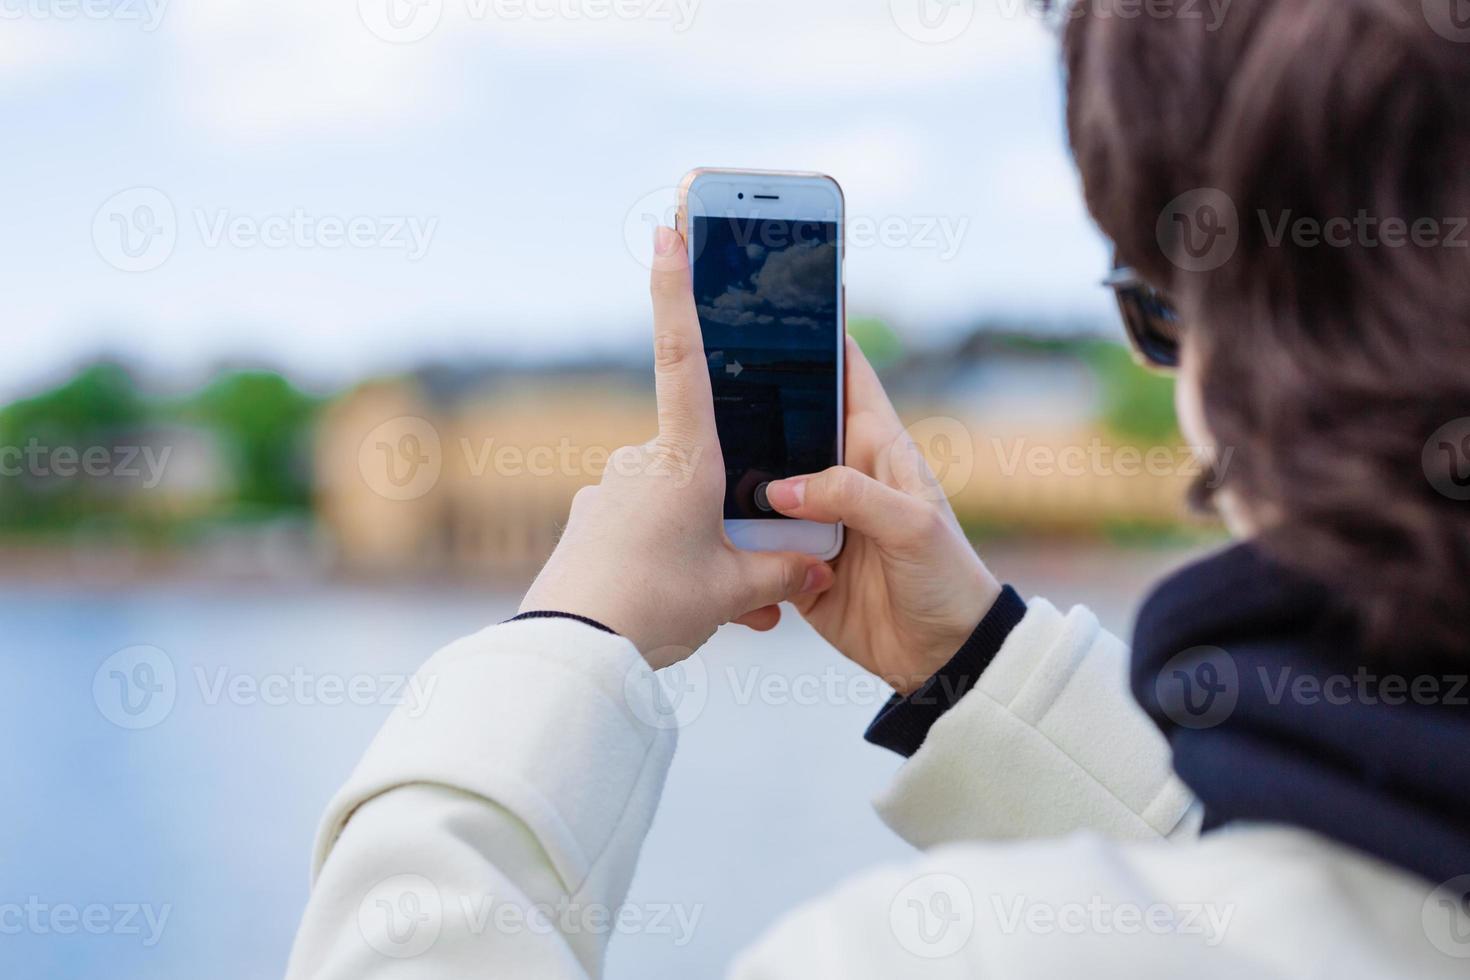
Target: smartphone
(766,252)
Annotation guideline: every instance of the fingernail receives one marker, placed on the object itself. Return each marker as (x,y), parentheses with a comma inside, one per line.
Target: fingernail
(786,494)
(665,240)
(818,577)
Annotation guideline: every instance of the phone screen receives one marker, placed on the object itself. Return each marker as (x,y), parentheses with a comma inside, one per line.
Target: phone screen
(766,290)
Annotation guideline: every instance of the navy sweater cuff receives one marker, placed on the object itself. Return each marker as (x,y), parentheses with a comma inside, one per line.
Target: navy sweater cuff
(552,614)
(903,723)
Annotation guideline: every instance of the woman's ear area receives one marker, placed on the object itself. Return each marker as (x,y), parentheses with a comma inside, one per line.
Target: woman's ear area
(1189,399)
(1213,459)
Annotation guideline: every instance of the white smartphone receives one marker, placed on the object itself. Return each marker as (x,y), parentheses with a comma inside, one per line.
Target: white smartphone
(766,249)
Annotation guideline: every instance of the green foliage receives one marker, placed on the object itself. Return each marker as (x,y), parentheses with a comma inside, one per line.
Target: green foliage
(1161,533)
(263,422)
(100,398)
(1137,404)
(87,410)
(879,344)
(257,419)
(1034,343)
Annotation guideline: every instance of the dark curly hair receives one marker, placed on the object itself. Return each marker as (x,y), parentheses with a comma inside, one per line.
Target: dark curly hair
(1328,142)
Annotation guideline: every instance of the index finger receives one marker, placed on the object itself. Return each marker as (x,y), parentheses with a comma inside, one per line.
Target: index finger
(686,410)
(865,393)
(872,423)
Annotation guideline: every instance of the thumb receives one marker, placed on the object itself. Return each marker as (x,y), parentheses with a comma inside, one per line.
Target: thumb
(772,577)
(888,516)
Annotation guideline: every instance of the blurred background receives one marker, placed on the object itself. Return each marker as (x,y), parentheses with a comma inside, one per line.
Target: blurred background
(319,312)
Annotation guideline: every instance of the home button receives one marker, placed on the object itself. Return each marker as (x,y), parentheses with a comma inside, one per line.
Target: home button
(761,500)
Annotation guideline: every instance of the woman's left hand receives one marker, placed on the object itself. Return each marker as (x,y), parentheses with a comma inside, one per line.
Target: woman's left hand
(645,552)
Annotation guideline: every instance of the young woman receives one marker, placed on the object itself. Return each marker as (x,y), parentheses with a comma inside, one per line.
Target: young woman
(1284,791)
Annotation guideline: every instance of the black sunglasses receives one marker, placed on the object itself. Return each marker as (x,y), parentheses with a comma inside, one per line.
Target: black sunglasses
(1148,316)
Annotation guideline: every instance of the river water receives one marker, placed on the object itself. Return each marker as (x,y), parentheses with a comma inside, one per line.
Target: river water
(181,833)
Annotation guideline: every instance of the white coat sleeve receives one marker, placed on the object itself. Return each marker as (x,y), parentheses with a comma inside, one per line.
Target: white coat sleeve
(1049,741)
(493,826)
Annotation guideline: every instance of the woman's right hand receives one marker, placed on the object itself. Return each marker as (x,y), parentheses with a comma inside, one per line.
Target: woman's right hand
(909,587)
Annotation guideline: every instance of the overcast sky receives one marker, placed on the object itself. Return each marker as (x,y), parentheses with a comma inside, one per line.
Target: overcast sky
(341,186)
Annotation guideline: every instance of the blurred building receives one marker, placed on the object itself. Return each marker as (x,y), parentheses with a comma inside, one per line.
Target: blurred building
(469,471)
(1031,435)
(472,471)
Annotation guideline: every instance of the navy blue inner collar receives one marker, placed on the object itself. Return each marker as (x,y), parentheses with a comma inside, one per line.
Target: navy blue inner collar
(1273,714)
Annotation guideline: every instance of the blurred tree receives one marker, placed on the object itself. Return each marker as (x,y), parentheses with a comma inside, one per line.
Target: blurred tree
(102,396)
(260,421)
(1137,404)
(101,399)
(264,424)
(879,344)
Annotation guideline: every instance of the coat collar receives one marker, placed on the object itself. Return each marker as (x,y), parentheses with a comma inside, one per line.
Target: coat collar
(1254,676)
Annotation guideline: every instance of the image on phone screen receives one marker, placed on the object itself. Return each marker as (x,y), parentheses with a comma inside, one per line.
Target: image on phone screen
(766,290)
